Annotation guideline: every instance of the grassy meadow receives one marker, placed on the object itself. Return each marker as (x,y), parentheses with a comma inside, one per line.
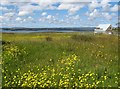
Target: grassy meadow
(59,60)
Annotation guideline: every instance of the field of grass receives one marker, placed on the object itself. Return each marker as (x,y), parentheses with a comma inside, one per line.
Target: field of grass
(57,60)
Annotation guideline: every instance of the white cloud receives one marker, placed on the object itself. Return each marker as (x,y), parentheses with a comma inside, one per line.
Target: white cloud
(73,18)
(74,9)
(114,15)
(71,7)
(97,14)
(41,20)
(97,10)
(70,1)
(76,17)
(65,6)
(94,4)
(44,13)
(45,4)
(10,14)
(24,20)
(104,2)
(6,17)
(105,5)
(107,16)
(1,18)
(94,14)
(30,18)
(4,2)
(22,13)
(18,19)
(114,8)
(27,9)
(49,17)
(3,8)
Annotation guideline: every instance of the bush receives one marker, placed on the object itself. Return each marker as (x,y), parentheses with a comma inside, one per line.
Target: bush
(82,37)
(49,38)
(4,42)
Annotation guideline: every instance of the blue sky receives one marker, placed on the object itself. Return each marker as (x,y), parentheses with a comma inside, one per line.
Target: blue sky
(57,13)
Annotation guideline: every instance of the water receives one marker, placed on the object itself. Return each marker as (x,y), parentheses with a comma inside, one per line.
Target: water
(34,30)
(6,31)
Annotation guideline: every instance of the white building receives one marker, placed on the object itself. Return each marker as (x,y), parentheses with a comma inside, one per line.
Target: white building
(103,28)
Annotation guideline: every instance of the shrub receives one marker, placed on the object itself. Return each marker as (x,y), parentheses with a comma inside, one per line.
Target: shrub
(49,38)
(4,42)
(82,37)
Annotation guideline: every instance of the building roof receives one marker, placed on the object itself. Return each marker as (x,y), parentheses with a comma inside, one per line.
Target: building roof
(103,26)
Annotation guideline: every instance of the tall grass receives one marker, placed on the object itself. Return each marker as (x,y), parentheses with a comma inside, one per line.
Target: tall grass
(83,37)
(96,54)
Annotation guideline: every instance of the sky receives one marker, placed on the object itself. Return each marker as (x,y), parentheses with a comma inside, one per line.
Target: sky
(58,13)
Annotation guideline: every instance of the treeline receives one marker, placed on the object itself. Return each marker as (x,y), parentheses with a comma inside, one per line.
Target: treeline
(116,29)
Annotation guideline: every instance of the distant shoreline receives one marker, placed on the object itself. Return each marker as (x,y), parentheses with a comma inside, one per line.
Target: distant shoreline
(34,30)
